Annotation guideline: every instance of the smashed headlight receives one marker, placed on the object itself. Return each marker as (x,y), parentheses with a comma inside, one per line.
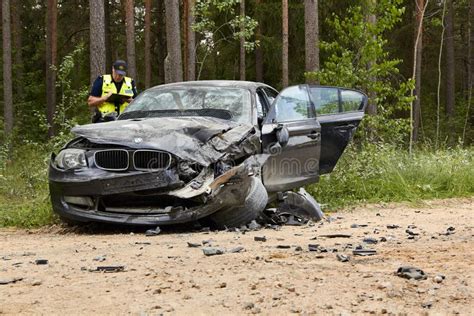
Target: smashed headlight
(71,159)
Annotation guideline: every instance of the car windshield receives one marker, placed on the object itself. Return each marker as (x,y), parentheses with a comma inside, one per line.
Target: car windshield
(221,102)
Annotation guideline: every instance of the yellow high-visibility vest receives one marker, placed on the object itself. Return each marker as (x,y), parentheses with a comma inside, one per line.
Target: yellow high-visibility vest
(109,86)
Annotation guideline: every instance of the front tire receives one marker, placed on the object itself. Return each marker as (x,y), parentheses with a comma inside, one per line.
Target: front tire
(236,216)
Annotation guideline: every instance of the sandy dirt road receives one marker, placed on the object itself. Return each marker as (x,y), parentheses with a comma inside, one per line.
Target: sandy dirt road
(164,276)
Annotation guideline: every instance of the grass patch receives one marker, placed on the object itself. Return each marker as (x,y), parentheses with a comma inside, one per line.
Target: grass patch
(24,194)
(373,174)
(386,174)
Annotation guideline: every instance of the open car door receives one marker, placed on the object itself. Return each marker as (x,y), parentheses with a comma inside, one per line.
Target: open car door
(291,135)
(339,111)
(305,133)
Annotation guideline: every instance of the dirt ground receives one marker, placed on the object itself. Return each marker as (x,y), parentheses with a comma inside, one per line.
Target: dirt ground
(163,275)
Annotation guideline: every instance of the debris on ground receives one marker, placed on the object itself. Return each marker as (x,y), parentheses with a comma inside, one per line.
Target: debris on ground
(100,258)
(109,269)
(194,244)
(313,247)
(253,225)
(283,247)
(449,231)
(393,226)
(439,278)
(237,249)
(9,281)
(207,241)
(370,240)
(153,232)
(210,251)
(342,258)
(359,251)
(36,283)
(142,243)
(182,278)
(260,238)
(41,261)
(336,236)
(412,232)
(359,225)
(411,273)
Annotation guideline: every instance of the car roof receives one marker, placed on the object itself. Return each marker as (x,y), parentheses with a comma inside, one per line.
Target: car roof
(214,83)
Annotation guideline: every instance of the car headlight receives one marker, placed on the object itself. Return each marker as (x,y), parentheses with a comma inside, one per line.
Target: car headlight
(71,159)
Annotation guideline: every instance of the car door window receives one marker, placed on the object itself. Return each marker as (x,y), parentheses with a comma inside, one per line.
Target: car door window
(261,106)
(293,104)
(271,95)
(351,100)
(326,100)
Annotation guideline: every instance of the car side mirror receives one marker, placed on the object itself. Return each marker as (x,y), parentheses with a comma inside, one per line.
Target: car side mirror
(282,135)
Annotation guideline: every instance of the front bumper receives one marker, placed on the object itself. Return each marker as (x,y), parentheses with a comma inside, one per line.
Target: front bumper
(98,185)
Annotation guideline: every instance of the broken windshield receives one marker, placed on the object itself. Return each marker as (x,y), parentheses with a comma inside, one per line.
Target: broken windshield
(222,102)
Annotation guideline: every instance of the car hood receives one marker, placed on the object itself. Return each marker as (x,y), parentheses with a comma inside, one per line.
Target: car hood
(203,140)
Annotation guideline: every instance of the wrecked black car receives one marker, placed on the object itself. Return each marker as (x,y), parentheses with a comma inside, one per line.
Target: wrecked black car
(215,150)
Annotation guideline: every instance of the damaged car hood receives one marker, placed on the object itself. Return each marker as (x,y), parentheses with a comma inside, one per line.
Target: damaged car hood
(202,140)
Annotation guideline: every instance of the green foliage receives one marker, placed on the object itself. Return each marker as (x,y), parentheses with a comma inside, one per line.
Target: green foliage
(221,27)
(205,23)
(385,173)
(357,58)
(71,104)
(24,196)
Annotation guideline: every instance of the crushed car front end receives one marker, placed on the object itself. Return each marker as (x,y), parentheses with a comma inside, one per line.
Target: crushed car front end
(137,176)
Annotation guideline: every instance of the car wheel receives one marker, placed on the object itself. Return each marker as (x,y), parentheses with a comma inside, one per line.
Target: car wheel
(236,216)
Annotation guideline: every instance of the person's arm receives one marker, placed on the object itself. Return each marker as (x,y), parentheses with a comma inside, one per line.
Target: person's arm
(134,88)
(95,97)
(97,101)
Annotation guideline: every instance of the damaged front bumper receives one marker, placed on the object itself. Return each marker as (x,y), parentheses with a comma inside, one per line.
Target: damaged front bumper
(146,198)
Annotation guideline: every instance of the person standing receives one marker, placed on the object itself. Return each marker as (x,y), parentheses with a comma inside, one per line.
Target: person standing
(111,94)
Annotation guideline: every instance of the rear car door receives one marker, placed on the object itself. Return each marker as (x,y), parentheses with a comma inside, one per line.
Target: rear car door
(339,112)
(295,163)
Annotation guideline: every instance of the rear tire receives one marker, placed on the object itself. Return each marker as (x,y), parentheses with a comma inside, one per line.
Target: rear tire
(236,216)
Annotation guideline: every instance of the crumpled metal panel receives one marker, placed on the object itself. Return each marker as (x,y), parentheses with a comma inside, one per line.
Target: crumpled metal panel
(189,138)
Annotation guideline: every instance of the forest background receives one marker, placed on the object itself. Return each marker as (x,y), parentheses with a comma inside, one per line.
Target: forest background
(413,58)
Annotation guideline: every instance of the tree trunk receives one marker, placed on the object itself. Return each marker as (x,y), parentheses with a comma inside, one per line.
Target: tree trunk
(284,61)
(470,67)
(470,70)
(258,50)
(97,38)
(190,42)
(242,41)
(173,40)
(130,34)
(184,27)
(51,63)
(18,46)
(108,38)
(161,41)
(372,20)
(147,43)
(450,79)
(7,68)
(311,37)
(419,53)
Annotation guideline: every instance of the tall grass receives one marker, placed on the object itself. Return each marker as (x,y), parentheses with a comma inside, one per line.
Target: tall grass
(24,195)
(372,174)
(385,174)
